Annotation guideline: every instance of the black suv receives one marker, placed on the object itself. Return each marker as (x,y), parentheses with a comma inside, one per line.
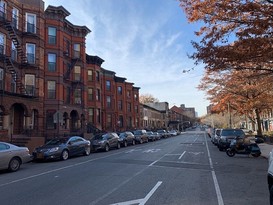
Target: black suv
(227,135)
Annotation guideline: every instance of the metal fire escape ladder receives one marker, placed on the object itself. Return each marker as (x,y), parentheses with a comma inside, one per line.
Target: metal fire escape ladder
(68,71)
(11,68)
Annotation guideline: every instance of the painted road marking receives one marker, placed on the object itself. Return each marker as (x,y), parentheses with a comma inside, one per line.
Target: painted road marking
(215,181)
(151,150)
(141,201)
(182,155)
(196,153)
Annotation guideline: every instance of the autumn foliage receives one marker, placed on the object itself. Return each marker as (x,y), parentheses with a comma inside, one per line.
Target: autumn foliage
(236,49)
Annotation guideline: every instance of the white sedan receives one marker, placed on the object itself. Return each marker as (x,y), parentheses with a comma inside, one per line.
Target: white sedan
(12,156)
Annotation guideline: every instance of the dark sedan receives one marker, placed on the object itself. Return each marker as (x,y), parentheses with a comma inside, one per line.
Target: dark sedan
(62,148)
(127,138)
(105,141)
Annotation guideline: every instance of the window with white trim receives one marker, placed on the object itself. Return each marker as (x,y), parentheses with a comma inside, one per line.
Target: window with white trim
(15,18)
(30,50)
(30,23)
(30,84)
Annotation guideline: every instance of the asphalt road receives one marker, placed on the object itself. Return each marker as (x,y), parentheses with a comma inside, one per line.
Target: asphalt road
(183,170)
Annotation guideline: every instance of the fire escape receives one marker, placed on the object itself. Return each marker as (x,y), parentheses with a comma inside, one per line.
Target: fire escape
(8,61)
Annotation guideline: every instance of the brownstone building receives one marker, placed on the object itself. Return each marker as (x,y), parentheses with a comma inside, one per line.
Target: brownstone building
(65,74)
(49,86)
(21,70)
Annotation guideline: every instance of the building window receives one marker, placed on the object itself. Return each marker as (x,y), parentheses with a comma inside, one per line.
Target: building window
(98,95)
(1,79)
(30,84)
(52,62)
(90,75)
(119,105)
(30,53)
(128,94)
(51,89)
(13,52)
(15,18)
(97,76)
(91,115)
(3,10)
(108,85)
(108,102)
(78,97)
(136,108)
(52,35)
(98,115)
(77,73)
(119,90)
(67,48)
(77,50)
(129,109)
(109,121)
(136,97)
(120,121)
(90,94)
(30,23)
(13,82)
(2,44)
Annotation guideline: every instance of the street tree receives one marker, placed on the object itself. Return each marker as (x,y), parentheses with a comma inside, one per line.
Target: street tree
(247,92)
(234,34)
(147,98)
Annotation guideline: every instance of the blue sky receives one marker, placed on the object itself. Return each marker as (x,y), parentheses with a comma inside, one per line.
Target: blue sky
(145,41)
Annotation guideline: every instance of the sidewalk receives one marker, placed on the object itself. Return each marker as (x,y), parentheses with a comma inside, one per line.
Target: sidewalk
(265,149)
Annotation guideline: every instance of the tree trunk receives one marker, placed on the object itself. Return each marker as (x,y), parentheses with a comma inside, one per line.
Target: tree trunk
(259,125)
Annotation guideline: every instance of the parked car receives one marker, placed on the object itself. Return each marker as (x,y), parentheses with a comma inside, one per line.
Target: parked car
(270,176)
(141,136)
(12,156)
(227,135)
(127,138)
(173,132)
(216,136)
(163,133)
(157,135)
(151,136)
(105,141)
(62,148)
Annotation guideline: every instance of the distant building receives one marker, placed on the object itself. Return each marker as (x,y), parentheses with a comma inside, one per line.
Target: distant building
(162,107)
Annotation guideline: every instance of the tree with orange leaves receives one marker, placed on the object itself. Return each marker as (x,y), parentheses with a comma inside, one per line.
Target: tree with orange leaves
(236,34)
(246,92)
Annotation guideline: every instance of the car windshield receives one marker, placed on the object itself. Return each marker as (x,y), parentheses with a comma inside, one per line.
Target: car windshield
(122,135)
(137,132)
(232,132)
(57,141)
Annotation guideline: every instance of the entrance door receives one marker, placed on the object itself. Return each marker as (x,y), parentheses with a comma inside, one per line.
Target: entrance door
(18,119)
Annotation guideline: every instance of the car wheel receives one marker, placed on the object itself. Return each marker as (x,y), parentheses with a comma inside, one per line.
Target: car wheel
(256,155)
(65,155)
(14,164)
(134,142)
(106,149)
(230,152)
(125,143)
(140,141)
(87,151)
(118,145)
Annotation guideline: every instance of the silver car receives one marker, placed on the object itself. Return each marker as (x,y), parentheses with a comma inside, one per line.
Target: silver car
(11,156)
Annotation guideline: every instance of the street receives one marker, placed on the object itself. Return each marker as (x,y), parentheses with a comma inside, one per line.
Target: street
(183,170)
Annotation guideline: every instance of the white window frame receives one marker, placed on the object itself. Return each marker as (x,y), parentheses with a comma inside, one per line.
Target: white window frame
(3,8)
(30,81)
(29,49)
(15,15)
(3,42)
(27,21)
